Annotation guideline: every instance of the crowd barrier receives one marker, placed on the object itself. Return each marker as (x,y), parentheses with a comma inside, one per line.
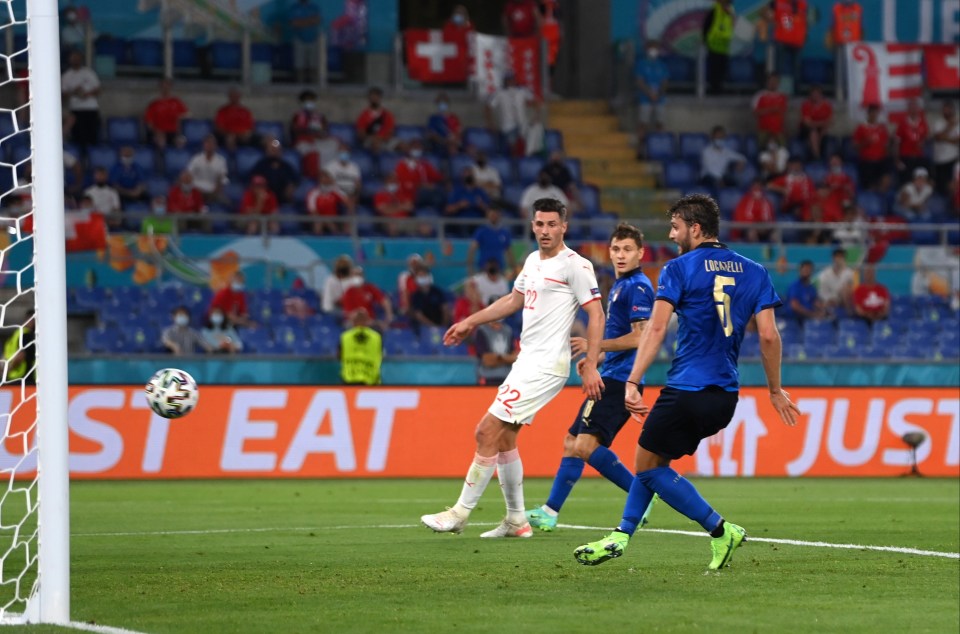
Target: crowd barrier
(333,432)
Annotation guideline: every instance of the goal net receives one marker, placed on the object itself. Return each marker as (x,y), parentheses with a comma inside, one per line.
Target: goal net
(34,503)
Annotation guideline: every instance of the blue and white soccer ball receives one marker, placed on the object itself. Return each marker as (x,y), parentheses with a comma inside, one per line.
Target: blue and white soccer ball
(172,393)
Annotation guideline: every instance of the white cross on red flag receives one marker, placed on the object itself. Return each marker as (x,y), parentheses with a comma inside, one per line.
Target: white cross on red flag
(942,66)
(433,59)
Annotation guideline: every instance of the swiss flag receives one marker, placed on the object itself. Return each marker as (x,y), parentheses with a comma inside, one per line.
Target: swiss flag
(433,59)
(942,66)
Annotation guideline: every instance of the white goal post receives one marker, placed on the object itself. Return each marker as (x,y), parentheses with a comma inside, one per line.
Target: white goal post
(34,509)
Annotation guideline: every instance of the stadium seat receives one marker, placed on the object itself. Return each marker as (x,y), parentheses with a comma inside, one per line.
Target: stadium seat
(818,334)
(816,170)
(678,174)
(146,54)
(175,160)
(482,140)
(401,342)
(225,57)
(292,157)
(602,226)
(123,130)
(287,337)
(797,148)
(157,186)
(660,146)
(245,158)
(504,167)
(140,338)
(345,132)
(553,140)
(512,194)
(742,72)
(185,55)
(365,162)
(407,133)
(112,47)
(103,339)
(528,168)
(196,130)
(816,71)
(751,146)
(104,156)
(727,199)
(146,157)
(682,69)
(692,145)
(273,129)
(872,203)
(388,163)
(590,199)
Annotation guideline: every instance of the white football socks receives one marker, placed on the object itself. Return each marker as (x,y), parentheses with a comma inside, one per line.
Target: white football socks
(510,473)
(478,477)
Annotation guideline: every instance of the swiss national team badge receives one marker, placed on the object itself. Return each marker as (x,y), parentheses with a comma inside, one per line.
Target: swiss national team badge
(433,59)
(942,66)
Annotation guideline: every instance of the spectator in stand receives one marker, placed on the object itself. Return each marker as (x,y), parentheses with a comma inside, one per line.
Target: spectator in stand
(458,27)
(847,29)
(835,284)
(393,203)
(164,115)
(562,177)
(327,201)
(651,76)
(419,178)
(496,351)
(910,136)
(407,282)
(491,242)
(184,198)
(304,20)
(376,124)
(871,299)
(955,189)
(852,230)
(773,160)
(128,178)
(428,302)
(914,197)
(466,200)
(816,116)
(336,285)
(180,338)
(491,284)
(506,111)
(282,178)
(872,140)
(946,146)
(796,188)
(487,177)
(73,174)
(718,162)
(468,302)
(754,207)
(259,200)
(789,33)
(74,28)
(841,184)
(543,188)
(80,86)
(234,123)
(801,302)
(209,171)
(444,131)
(231,300)
(770,107)
(311,137)
(346,173)
(717,35)
(830,202)
(521,18)
(105,198)
(365,296)
(220,334)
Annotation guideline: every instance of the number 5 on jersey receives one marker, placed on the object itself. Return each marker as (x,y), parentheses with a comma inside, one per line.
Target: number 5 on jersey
(721,300)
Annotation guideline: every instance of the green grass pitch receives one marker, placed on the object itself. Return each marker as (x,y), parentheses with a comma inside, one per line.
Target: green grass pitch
(349,556)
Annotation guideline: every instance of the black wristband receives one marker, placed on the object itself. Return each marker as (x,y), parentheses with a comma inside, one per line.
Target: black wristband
(633,383)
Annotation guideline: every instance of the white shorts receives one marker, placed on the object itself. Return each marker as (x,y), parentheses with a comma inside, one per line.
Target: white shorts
(524,393)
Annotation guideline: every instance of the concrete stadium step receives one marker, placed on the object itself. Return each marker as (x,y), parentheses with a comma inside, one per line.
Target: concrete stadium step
(585,124)
(577,107)
(642,203)
(614,167)
(591,152)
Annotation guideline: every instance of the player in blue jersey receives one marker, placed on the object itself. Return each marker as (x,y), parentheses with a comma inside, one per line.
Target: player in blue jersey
(598,421)
(715,292)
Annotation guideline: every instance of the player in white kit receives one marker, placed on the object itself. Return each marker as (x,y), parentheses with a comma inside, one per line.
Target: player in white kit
(554,284)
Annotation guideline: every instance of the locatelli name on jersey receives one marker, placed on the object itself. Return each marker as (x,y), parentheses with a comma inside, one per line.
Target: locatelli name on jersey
(721,265)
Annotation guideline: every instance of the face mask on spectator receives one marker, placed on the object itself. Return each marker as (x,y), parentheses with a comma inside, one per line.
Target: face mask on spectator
(424,280)
(459,19)
(187,187)
(344,156)
(309,105)
(126,160)
(836,169)
(416,153)
(181,320)
(718,142)
(653,53)
(159,209)
(216,319)
(237,286)
(443,106)
(392,187)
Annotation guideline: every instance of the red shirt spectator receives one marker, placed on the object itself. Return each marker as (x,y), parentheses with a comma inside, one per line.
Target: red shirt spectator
(830,203)
(872,140)
(911,133)
(770,107)
(183,197)
(364,296)
(816,112)
(796,188)
(458,27)
(165,112)
(393,202)
(520,18)
(871,300)
(234,117)
(325,201)
(753,207)
(840,183)
(375,122)
(258,199)
(307,123)
(414,172)
(230,301)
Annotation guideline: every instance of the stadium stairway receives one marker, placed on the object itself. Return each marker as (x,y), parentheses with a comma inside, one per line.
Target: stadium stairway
(591,132)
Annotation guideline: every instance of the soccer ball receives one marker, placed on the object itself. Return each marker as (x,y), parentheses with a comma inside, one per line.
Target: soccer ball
(172,393)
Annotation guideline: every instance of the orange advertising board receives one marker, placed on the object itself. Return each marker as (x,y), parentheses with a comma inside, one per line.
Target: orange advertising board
(301,432)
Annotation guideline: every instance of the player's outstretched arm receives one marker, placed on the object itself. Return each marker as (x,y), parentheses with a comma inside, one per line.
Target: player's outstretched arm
(771,351)
(506,305)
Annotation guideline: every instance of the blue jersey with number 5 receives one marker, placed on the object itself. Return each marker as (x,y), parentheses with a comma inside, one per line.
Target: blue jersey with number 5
(715,292)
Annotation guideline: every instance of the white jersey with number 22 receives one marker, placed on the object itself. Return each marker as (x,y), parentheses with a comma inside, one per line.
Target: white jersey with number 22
(553,290)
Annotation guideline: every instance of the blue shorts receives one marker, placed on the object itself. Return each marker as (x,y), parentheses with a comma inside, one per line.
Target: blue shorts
(679,420)
(606,417)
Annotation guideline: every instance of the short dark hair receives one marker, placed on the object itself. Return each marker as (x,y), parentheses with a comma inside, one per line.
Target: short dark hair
(625,231)
(806,263)
(698,209)
(839,251)
(551,204)
(307,94)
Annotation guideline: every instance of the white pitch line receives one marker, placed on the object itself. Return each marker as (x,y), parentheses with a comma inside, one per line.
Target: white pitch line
(771,540)
(18,619)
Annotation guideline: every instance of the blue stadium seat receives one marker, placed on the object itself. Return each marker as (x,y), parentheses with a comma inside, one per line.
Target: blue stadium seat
(288,336)
(692,145)
(146,54)
(590,199)
(459,350)
(113,47)
(245,158)
(660,146)
(273,129)
(261,52)
(727,199)
(401,342)
(365,162)
(872,203)
(482,139)
(146,157)
(175,160)
(796,352)
(431,339)
(407,133)
(225,56)
(123,130)
(678,174)
(127,295)
(157,186)
(742,71)
(292,157)
(103,339)
(816,71)
(313,348)
(573,164)
(876,352)
(818,334)
(504,167)
(816,170)
(797,148)
(141,338)
(553,140)
(602,226)
(185,55)
(528,168)
(388,163)
(512,194)
(255,340)
(682,69)
(103,156)
(195,130)
(345,132)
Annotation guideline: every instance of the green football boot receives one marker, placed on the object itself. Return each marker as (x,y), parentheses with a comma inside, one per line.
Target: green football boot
(724,545)
(541,520)
(610,547)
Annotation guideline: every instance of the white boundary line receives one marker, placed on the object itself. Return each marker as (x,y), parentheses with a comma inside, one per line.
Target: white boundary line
(789,542)
(18,619)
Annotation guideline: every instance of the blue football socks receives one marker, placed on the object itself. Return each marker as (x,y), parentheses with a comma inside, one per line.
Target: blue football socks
(610,467)
(676,491)
(638,499)
(567,475)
